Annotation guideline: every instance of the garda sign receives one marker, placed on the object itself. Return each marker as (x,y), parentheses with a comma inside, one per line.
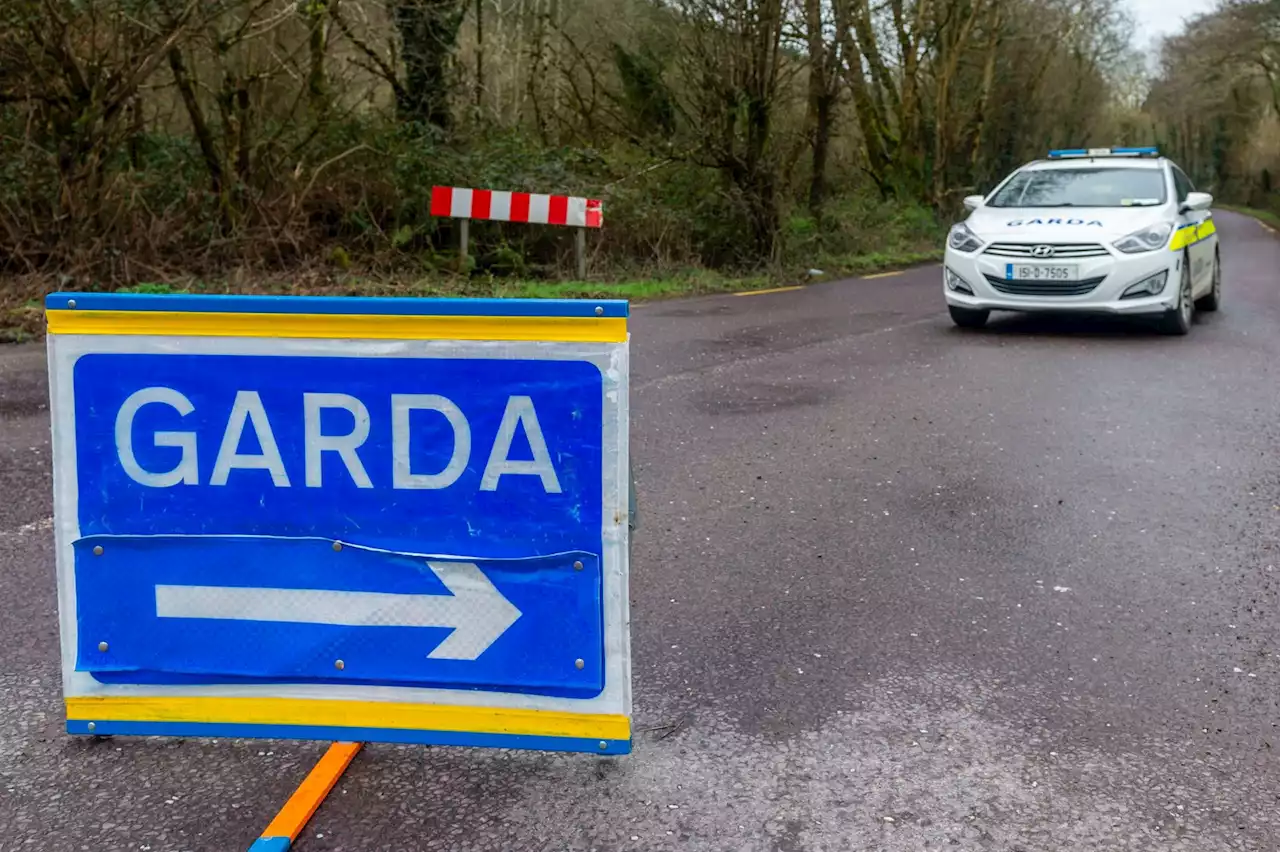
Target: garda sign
(398,520)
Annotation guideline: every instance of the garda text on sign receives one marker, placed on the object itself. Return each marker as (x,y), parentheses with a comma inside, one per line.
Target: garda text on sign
(357,519)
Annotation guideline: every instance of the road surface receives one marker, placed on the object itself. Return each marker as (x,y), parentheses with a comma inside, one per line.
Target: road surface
(896,587)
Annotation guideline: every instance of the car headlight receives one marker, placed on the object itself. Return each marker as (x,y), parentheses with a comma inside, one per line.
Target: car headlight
(1152,285)
(962,239)
(1148,239)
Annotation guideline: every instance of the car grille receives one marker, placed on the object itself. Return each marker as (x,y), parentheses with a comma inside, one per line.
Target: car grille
(1045,288)
(1061,251)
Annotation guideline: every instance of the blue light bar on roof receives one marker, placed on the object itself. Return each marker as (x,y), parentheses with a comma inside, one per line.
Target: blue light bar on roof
(1064,153)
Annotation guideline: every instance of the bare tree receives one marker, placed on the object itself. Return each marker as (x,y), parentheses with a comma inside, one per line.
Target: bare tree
(823,42)
(733,56)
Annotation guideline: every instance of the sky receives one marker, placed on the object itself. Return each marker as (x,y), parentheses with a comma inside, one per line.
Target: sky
(1158,18)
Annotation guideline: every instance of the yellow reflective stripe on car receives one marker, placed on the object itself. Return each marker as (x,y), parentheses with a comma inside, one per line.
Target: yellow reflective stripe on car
(1183,237)
(1192,233)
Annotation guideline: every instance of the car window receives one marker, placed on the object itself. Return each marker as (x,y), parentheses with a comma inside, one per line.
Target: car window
(1083,187)
(1182,184)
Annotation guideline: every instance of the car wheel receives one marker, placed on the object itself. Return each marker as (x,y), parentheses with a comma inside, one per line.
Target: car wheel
(1213,299)
(968,317)
(1177,320)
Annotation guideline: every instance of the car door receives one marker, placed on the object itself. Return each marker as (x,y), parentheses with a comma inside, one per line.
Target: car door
(1192,230)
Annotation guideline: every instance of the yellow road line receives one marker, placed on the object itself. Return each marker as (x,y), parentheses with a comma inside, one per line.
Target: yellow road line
(882,275)
(771,290)
(307,799)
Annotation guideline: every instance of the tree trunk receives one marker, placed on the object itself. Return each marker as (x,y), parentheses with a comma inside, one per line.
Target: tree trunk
(870,121)
(821,146)
(428,32)
(984,97)
(953,43)
(479,54)
(233,108)
(204,136)
(195,113)
(317,13)
(910,160)
(538,62)
(136,129)
(821,102)
(885,88)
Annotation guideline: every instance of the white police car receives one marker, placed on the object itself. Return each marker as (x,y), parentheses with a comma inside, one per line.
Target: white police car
(1109,230)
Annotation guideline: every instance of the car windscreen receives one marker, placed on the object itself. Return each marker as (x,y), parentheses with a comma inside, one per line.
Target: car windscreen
(1084,187)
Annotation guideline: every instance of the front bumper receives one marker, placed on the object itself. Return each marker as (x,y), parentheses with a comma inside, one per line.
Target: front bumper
(1117,271)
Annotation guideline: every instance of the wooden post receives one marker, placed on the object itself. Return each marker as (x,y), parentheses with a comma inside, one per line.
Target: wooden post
(580,252)
(464,237)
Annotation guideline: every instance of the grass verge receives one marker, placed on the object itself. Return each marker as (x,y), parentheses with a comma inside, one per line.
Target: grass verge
(22,312)
(1267,217)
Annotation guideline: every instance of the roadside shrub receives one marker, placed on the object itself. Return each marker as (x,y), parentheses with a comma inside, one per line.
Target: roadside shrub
(859,225)
(356,196)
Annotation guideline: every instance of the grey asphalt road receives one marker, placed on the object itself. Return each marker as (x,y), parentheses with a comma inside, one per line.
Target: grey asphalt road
(896,587)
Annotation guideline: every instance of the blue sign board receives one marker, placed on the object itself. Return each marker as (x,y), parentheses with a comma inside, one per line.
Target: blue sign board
(408,516)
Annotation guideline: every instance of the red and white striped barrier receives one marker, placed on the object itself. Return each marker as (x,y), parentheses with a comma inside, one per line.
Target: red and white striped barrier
(527,207)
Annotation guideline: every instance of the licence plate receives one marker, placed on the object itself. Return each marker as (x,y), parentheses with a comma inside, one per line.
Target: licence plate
(1039,272)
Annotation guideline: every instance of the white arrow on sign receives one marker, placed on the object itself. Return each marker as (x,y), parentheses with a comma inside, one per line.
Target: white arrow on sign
(475,609)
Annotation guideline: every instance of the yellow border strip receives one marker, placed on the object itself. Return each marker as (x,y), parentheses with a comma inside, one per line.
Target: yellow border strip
(882,275)
(770,290)
(306,800)
(348,714)
(340,326)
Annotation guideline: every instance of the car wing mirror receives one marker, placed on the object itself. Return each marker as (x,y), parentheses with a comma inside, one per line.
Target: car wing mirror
(1197,201)
(973,202)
